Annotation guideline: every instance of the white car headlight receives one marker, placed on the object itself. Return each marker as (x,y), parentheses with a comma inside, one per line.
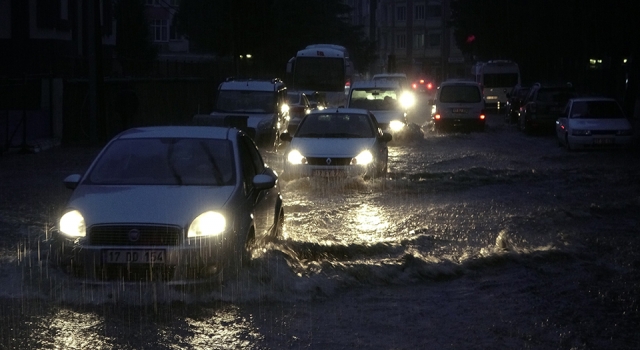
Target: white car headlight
(578,132)
(396,125)
(295,157)
(72,224)
(209,223)
(407,100)
(364,158)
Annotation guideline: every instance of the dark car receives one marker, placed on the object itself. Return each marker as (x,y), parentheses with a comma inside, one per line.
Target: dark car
(515,97)
(543,105)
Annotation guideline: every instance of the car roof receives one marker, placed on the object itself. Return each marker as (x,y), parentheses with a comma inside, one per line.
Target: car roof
(340,110)
(459,82)
(591,98)
(381,83)
(205,132)
(252,85)
(389,75)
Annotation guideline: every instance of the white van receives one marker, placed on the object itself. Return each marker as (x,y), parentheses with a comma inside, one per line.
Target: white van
(458,103)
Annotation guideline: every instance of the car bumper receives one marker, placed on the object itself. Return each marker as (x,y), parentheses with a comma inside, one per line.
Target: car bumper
(459,122)
(300,171)
(193,260)
(587,142)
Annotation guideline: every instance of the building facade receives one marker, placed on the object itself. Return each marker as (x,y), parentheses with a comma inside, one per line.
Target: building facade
(411,36)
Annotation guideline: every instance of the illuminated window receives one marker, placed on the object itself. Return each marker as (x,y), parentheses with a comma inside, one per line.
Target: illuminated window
(418,41)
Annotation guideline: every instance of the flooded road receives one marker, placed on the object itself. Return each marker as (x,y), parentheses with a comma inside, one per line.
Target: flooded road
(475,240)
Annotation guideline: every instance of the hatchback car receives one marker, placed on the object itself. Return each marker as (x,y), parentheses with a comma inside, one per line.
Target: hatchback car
(170,203)
(593,122)
(337,143)
(458,103)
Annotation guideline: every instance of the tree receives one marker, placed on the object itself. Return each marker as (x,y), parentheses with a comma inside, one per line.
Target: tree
(135,51)
(270,30)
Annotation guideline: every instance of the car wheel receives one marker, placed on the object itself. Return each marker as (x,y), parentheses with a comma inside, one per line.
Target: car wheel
(278,225)
(566,142)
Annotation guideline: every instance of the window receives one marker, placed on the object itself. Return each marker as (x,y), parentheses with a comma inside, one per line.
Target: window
(160,30)
(434,39)
(401,13)
(401,41)
(434,11)
(419,12)
(418,41)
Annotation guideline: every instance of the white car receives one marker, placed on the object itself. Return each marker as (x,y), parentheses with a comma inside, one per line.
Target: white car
(388,102)
(593,122)
(458,103)
(337,143)
(172,203)
(259,107)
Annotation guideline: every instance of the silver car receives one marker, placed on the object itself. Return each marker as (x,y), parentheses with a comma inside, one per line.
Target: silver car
(337,143)
(170,203)
(593,122)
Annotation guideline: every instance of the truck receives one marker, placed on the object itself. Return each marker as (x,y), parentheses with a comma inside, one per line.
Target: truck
(497,78)
(322,71)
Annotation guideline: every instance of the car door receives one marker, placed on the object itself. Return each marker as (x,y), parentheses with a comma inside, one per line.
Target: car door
(262,202)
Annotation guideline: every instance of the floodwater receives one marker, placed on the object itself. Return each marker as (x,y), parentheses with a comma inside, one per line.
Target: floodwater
(475,240)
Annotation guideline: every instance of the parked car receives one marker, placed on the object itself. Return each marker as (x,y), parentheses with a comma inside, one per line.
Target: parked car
(386,100)
(515,97)
(299,106)
(337,143)
(543,105)
(593,122)
(171,203)
(458,104)
(255,106)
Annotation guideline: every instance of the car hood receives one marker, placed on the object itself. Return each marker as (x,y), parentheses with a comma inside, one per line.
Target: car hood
(175,205)
(386,117)
(601,124)
(253,118)
(331,147)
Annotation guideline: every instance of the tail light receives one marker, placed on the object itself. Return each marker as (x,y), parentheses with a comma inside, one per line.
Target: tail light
(437,116)
(414,85)
(429,86)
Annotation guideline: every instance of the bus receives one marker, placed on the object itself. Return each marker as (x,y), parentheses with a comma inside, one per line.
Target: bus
(324,69)
(497,78)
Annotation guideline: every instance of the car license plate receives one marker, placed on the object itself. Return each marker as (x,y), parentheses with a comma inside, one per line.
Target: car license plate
(329,173)
(602,141)
(459,110)
(134,256)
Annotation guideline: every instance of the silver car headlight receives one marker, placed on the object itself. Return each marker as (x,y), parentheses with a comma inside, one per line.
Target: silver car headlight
(72,224)
(578,132)
(396,125)
(295,157)
(407,100)
(209,223)
(364,158)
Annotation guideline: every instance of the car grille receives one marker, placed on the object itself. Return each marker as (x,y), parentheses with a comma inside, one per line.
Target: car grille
(125,235)
(604,132)
(333,162)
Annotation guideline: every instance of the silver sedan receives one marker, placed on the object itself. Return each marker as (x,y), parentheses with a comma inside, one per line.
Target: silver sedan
(171,203)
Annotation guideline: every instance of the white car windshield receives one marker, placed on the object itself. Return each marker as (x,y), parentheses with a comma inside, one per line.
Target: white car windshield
(375,99)
(597,110)
(336,126)
(165,161)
